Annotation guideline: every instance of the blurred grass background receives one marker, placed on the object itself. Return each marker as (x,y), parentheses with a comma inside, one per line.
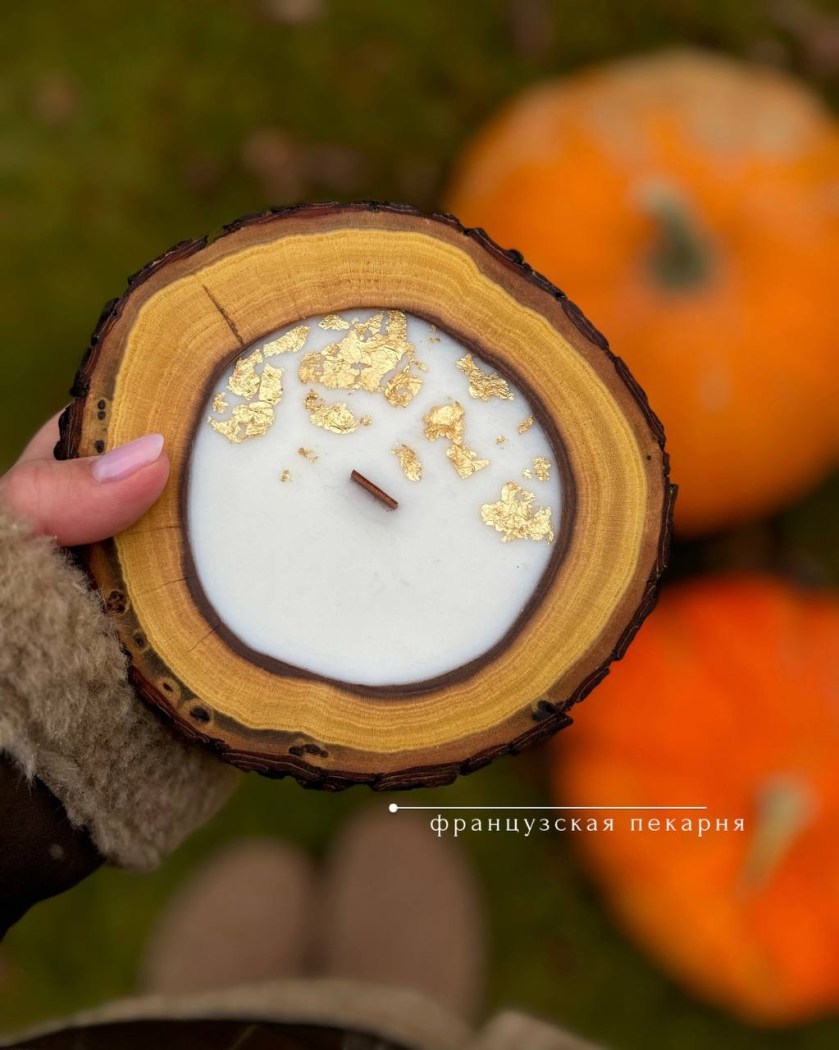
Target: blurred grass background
(128,127)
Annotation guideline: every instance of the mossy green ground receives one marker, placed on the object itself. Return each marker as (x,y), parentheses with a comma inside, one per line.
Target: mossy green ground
(127,127)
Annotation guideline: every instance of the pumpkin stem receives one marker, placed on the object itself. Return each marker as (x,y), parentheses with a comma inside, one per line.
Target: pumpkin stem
(681,257)
(784,808)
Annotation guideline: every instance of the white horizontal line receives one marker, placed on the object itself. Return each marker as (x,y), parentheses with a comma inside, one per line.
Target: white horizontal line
(393,807)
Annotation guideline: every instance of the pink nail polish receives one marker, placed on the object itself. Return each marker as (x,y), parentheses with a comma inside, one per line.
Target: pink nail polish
(127,459)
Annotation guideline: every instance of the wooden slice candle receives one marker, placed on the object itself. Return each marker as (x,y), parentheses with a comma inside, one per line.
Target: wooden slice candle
(416,506)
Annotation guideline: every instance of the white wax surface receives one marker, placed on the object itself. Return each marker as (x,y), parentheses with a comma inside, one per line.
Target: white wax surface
(317,573)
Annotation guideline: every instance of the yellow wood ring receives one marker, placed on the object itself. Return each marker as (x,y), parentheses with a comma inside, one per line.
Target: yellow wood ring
(152,361)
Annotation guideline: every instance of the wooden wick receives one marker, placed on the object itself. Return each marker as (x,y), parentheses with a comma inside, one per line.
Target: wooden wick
(374,490)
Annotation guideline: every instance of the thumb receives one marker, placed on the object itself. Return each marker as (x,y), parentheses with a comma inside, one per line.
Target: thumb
(84,500)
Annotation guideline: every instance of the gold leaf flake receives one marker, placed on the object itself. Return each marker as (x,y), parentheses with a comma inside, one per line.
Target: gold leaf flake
(336,417)
(525,425)
(246,420)
(402,388)
(228,428)
(332,322)
(465,460)
(220,402)
(285,476)
(289,343)
(257,417)
(516,516)
(372,326)
(271,385)
(365,421)
(484,385)
(432,334)
(445,421)
(500,440)
(397,324)
(409,461)
(244,381)
(364,357)
(307,453)
(541,468)
(331,369)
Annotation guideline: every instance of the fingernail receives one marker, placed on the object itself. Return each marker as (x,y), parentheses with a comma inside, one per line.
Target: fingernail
(121,462)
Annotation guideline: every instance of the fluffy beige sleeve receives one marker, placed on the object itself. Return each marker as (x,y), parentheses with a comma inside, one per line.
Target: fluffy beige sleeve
(69,717)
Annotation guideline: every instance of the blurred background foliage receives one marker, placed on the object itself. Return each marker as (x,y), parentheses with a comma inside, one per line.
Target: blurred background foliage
(128,127)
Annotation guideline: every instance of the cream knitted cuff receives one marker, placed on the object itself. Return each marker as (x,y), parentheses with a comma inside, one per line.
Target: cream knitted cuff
(69,717)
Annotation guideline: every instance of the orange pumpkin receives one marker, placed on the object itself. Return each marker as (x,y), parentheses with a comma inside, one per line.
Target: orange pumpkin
(690,204)
(728,698)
